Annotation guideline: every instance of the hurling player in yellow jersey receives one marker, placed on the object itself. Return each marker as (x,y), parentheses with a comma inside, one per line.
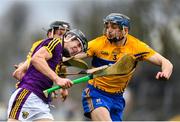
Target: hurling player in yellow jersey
(102,99)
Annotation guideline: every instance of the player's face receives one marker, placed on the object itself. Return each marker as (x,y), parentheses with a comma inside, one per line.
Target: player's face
(58,33)
(112,30)
(62,31)
(72,45)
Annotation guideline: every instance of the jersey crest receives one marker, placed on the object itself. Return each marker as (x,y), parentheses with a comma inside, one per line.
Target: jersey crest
(25,114)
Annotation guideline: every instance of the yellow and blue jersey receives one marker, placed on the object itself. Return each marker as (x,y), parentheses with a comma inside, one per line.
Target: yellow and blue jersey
(103,52)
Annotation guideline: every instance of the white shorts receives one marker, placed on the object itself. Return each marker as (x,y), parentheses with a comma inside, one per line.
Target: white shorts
(26,106)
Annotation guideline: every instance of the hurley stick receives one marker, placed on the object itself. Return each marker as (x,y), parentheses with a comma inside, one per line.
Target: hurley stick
(79,80)
(122,67)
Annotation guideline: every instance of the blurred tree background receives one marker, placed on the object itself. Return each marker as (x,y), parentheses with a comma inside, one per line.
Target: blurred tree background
(156,22)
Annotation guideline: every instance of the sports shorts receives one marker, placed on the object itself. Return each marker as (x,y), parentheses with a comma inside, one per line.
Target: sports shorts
(26,106)
(93,98)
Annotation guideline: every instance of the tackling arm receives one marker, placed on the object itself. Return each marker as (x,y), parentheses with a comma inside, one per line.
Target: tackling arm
(77,56)
(166,66)
(81,55)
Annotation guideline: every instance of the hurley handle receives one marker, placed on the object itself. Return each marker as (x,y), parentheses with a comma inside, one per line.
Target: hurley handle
(76,81)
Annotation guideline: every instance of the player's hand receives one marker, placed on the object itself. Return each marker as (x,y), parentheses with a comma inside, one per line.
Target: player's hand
(18,74)
(163,75)
(17,84)
(64,94)
(18,65)
(62,70)
(54,95)
(67,58)
(64,82)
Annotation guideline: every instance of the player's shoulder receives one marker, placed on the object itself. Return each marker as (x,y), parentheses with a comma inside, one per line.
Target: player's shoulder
(137,44)
(48,40)
(37,42)
(132,40)
(103,37)
(53,42)
(57,39)
(98,40)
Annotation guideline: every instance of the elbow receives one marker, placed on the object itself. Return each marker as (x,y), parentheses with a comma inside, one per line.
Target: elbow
(14,74)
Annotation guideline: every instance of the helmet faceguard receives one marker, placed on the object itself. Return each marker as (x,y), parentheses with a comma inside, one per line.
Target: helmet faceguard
(121,20)
(80,36)
(60,25)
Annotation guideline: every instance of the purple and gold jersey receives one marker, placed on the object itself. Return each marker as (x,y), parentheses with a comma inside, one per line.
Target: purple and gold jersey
(35,44)
(34,80)
(104,53)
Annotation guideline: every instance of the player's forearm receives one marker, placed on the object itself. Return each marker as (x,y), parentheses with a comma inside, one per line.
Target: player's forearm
(81,55)
(78,56)
(22,66)
(20,71)
(166,65)
(42,66)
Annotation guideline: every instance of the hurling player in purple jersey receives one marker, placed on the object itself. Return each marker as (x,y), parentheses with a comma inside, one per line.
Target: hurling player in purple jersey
(56,28)
(28,102)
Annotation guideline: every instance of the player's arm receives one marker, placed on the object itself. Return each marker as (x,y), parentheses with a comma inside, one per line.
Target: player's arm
(20,70)
(92,45)
(39,61)
(22,67)
(81,55)
(35,44)
(166,66)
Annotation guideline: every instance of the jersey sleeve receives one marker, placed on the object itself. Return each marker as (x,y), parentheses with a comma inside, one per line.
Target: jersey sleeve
(53,45)
(35,44)
(92,45)
(143,51)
